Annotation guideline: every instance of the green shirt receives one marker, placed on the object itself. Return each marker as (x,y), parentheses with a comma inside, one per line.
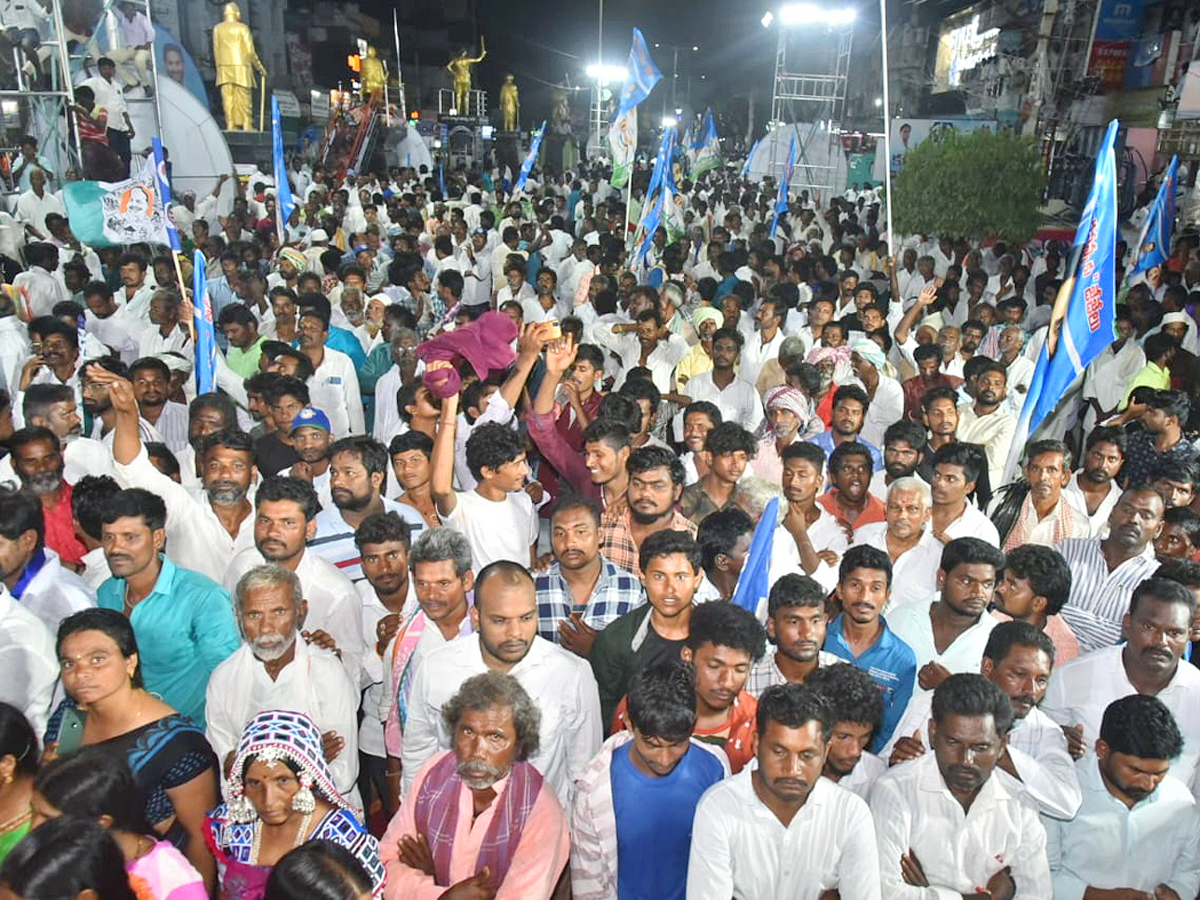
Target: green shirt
(245,362)
(1152,375)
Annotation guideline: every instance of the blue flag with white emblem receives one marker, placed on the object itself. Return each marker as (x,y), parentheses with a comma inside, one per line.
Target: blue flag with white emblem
(642,76)
(530,158)
(202,320)
(1082,320)
(1154,244)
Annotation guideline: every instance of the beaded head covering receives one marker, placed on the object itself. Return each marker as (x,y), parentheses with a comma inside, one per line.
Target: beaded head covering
(277,735)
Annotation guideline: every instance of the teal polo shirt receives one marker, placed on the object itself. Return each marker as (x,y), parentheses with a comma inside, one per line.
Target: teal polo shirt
(891,664)
(185,628)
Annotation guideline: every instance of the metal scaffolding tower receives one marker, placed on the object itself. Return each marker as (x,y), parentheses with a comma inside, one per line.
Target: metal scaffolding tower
(812,103)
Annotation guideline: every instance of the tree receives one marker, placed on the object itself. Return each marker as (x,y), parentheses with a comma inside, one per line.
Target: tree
(973,184)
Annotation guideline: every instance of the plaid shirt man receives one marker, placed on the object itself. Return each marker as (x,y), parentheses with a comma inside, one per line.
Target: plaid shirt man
(765,673)
(616,540)
(616,593)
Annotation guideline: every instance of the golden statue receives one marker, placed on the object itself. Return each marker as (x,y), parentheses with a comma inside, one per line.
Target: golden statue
(373,76)
(510,104)
(233,50)
(460,70)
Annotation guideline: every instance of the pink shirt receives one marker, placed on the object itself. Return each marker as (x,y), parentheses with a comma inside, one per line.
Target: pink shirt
(540,858)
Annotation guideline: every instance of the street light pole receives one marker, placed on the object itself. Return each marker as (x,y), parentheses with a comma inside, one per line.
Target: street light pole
(887,129)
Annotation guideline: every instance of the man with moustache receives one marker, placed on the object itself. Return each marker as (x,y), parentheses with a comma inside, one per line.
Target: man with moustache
(284,520)
(582,592)
(655,485)
(1018,659)
(506,640)
(1045,516)
(986,421)
(1148,662)
(1144,844)
(796,622)
(948,824)
(779,829)
(274,669)
(53,406)
(182,620)
(907,539)
(480,819)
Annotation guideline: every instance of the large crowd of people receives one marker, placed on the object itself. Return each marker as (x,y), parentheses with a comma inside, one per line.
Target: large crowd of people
(453,585)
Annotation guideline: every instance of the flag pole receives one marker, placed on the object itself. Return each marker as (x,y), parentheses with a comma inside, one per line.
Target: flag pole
(887,129)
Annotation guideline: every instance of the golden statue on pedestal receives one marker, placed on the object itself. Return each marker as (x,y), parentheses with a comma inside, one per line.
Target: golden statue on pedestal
(510,104)
(233,51)
(373,76)
(460,70)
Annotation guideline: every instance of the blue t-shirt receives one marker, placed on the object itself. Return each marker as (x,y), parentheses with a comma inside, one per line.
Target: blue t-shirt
(654,822)
(892,665)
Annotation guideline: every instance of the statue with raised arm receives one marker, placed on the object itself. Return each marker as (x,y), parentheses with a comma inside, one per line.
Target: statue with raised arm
(236,61)
(460,71)
(373,75)
(510,104)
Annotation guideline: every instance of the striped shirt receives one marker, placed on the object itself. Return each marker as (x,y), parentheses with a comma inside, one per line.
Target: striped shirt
(616,593)
(765,673)
(1099,599)
(616,538)
(334,540)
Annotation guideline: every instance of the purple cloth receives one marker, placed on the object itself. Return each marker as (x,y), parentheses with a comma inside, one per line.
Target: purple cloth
(437,817)
(485,343)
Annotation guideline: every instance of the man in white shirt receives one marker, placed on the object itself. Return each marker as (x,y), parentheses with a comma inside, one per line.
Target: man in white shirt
(779,829)
(276,669)
(956,469)
(136,40)
(764,344)
(1149,662)
(1136,832)
(856,711)
(987,422)
(41,289)
(907,539)
(358,469)
(110,98)
(1106,381)
(948,631)
(949,824)
(643,343)
(810,539)
(725,388)
(111,323)
(1018,659)
(1093,490)
(35,203)
(204,528)
(28,660)
(31,570)
(506,640)
(284,519)
(334,382)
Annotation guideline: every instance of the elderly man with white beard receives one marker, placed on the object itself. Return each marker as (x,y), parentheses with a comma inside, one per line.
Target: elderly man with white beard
(274,670)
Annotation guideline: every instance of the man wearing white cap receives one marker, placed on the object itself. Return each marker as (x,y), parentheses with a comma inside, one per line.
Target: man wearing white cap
(318,243)
(885,393)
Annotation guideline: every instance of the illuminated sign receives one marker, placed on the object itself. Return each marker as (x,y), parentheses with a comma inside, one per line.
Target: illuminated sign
(961,48)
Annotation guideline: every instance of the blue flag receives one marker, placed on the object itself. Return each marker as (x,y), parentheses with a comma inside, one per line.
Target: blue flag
(530,158)
(1082,322)
(707,147)
(622,133)
(781,203)
(1154,245)
(164,193)
(643,75)
(650,223)
(202,319)
(284,203)
(663,171)
(749,156)
(755,582)
(442,180)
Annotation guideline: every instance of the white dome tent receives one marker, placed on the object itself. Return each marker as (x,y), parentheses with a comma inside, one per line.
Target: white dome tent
(820,161)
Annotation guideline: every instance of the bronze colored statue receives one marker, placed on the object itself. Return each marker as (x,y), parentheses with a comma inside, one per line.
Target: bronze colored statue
(510,104)
(460,70)
(233,51)
(373,74)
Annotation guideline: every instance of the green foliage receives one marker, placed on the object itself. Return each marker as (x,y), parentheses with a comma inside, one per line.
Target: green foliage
(970,184)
